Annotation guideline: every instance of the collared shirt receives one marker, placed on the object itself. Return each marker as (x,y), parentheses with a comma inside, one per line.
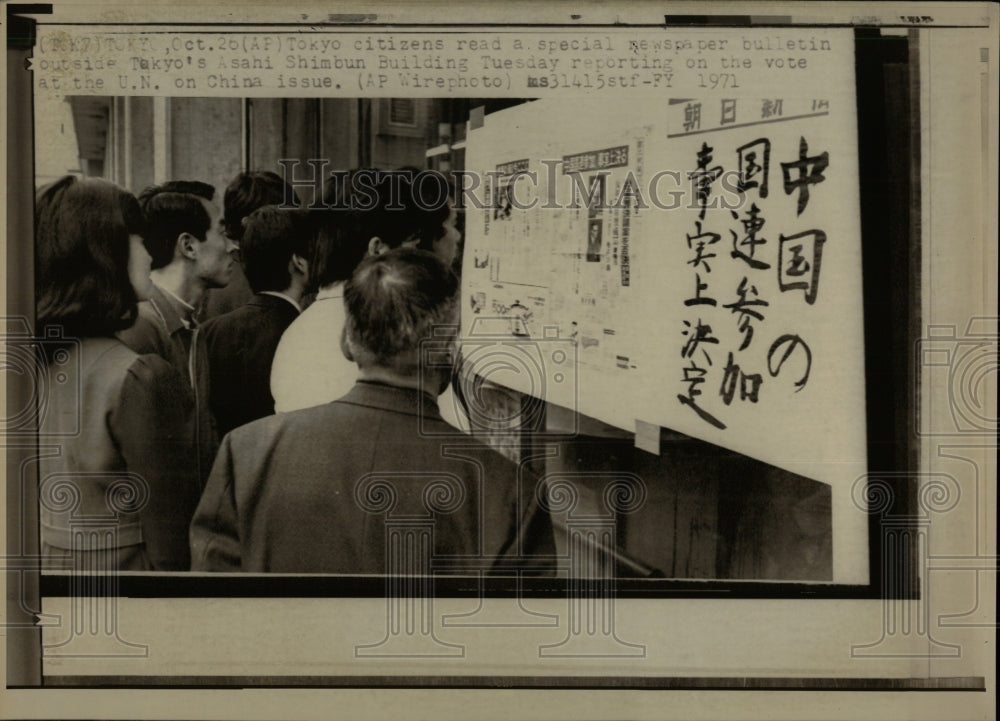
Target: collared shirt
(165,327)
(187,310)
(331,291)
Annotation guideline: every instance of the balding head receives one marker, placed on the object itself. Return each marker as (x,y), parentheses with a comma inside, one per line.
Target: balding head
(394,302)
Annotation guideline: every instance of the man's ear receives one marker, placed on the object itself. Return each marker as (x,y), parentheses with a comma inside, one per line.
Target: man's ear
(345,345)
(187,246)
(377,247)
(299,265)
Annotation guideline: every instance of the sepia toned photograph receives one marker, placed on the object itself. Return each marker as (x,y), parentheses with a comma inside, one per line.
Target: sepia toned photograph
(699,512)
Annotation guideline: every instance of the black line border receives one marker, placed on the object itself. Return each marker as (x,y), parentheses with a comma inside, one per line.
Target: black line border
(627,683)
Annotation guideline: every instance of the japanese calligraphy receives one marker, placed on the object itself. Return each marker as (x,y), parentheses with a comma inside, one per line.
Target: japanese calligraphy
(699,334)
(728,111)
(745,307)
(698,243)
(754,161)
(749,383)
(799,258)
(770,108)
(694,376)
(703,178)
(698,299)
(692,117)
(789,343)
(747,258)
(810,172)
(752,225)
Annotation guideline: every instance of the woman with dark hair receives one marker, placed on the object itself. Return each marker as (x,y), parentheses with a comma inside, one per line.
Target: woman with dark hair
(122,489)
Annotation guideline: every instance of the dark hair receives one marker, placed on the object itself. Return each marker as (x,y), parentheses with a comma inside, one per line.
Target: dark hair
(82,230)
(360,204)
(430,191)
(393,302)
(250,190)
(394,205)
(337,246)
(272,235)
(172,209)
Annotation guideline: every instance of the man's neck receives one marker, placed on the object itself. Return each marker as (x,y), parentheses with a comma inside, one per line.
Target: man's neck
(432,383)
(174,279)
(295,291)
(333,290)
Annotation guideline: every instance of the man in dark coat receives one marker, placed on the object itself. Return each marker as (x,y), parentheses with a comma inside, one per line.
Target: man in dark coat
(241,343)
(375,482)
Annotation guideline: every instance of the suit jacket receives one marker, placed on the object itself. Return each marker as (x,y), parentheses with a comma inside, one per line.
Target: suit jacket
(310,369)
(241,347)
(121,424)
(329,489)
(163,329)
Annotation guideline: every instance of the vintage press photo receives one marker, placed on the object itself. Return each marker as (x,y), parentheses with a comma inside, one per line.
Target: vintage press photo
(579,351)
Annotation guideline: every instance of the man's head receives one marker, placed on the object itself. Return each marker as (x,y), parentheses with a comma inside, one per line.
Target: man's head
(396,208)
(438,229)
(184,227)
(395,302)
(337,246)
(274,248)
(251,190)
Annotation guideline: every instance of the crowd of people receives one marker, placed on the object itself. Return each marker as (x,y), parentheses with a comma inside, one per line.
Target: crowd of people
(290,423)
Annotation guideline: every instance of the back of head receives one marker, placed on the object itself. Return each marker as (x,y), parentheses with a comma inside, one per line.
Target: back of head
(251,190)
(429,193)
(337,246)
(358,205)
(171,209)
(394,302)
(82,230)
(395,205)
(339,230)
(271,236)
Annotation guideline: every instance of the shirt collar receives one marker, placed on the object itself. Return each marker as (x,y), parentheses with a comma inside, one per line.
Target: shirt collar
(395,398)
(183,303)
(278,294)
(185,311)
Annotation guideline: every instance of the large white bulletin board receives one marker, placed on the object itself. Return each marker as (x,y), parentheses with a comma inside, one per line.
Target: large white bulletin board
(690,263)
